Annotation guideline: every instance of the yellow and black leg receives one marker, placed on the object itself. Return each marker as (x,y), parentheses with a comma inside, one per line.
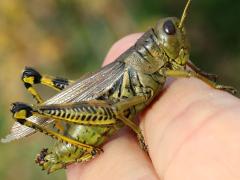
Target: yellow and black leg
(83,113)
(22,111)
(80,113)
(30,77)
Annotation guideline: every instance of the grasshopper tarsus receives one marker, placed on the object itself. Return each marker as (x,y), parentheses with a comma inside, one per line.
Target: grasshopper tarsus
(229,89)
(40,157)
(142,143)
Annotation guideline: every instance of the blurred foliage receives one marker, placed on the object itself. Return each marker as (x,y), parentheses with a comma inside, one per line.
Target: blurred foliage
(70,37)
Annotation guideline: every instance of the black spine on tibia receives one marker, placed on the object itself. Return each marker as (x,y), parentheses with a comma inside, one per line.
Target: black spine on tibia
(30,72)
(60,83)
(18,106)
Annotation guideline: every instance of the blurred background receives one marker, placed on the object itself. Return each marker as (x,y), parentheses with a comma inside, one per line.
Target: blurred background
(68,38)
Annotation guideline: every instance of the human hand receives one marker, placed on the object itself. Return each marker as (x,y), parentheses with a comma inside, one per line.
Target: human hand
(192,132)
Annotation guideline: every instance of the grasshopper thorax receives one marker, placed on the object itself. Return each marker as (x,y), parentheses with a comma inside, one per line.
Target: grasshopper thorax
(172,40)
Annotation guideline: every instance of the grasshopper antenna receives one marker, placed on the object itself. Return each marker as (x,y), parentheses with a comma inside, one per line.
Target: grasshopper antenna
(184,14)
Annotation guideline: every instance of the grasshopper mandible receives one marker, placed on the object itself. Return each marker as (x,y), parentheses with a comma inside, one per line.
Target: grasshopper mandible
(87,111)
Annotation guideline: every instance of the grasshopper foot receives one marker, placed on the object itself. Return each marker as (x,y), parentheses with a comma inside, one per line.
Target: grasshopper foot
(142,142)
(229,89)
(96,151)
(40,158)
(48,161)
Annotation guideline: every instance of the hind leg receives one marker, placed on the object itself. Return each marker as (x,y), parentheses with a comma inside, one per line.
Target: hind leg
(31,77)
(22,111)
(188,74)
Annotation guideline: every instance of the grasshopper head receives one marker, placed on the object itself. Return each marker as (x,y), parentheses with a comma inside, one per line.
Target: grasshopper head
(172,38)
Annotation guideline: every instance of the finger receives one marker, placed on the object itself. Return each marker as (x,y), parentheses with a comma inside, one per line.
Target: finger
(122,157)
(189,130)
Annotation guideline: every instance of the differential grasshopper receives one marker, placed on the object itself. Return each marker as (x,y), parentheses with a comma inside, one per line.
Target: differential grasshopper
(86,112)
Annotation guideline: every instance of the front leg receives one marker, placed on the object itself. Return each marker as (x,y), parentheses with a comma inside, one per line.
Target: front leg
(188,74)
(212,77)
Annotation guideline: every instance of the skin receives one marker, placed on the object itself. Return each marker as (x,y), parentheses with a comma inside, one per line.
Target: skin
(192,132)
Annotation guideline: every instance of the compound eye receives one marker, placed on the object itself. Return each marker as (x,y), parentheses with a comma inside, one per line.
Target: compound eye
(169,27)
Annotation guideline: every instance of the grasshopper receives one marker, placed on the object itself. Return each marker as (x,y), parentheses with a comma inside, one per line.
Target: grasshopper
(86,112)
